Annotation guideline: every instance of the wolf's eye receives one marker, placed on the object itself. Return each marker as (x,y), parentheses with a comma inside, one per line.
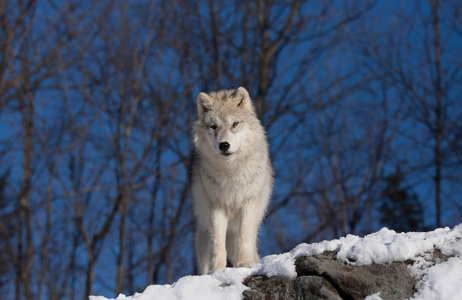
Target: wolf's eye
(235,124)
(213,126)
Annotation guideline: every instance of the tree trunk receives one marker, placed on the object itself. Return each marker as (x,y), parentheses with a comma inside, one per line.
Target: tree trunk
(121,258)
(27,109)
(152,216)
(44,257)
(216,49)
(90,278)
(438,112)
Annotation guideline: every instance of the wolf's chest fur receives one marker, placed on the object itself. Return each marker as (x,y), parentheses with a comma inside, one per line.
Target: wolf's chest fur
(230,187)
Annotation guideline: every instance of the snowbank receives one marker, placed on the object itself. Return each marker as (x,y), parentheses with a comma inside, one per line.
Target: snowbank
(440,281)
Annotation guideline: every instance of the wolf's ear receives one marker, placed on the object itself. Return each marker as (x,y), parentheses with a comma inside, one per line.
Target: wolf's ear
(204,103)
(243,98)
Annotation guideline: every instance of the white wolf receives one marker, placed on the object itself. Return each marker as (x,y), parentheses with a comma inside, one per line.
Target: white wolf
(232,179)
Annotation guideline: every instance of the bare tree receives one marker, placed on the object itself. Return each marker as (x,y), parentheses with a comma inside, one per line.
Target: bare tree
(131,119)
(427,82)
(32,58)
(29,58)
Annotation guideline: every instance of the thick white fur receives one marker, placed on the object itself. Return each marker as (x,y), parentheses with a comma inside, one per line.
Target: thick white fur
(231,189)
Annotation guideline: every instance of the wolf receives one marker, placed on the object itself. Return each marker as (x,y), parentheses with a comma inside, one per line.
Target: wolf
(231,180)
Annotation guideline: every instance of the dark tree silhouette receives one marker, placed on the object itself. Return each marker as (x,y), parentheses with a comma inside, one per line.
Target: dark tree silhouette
(400,208)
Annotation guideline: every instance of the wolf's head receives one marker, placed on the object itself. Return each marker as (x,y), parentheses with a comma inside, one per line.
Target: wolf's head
(225,120)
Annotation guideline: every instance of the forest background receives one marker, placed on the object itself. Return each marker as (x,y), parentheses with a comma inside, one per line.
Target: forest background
(361,101)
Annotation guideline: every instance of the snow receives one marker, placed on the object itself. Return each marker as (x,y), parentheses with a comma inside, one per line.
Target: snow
(438,281)
(442,281)
(375,296)
(222,284)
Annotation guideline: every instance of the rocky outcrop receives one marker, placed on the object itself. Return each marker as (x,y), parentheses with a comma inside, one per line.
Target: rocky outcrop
(302,287)
(323,277)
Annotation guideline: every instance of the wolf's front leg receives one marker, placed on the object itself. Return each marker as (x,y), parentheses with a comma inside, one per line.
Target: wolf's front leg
(203,245)
(218,235)
(246,243)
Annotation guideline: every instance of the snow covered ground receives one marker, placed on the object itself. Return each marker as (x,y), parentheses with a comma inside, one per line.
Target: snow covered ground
(441,281)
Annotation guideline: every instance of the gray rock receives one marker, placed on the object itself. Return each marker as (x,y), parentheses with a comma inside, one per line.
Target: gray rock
(279,288)
(393,281)
(314,287)
(323,277)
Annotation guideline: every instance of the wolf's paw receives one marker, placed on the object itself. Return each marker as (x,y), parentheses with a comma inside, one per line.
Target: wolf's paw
(245,264)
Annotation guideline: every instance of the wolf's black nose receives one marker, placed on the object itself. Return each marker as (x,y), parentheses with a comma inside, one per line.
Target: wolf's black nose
(224,146)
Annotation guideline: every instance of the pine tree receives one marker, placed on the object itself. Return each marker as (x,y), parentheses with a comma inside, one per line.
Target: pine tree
(400,208)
